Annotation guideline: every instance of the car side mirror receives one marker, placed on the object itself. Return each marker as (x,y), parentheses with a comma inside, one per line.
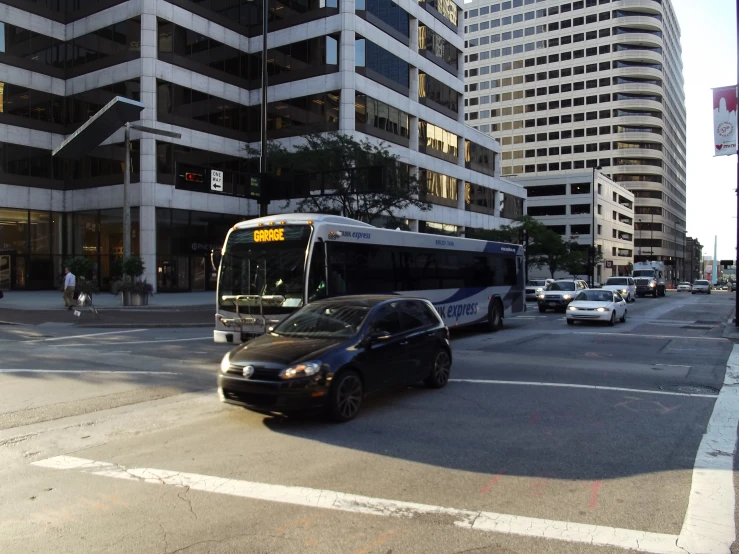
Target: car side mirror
(377,336)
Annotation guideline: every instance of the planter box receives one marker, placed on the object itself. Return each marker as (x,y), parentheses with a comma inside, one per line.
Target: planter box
(134,299)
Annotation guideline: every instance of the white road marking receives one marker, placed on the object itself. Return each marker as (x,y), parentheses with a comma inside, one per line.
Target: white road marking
(576,386)
(616,333)
(709,522)
(111,372)
(331,500)
(672,365)
(133,342)
(88,336)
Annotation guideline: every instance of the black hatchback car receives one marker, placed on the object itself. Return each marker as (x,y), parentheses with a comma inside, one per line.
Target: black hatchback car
(330,354)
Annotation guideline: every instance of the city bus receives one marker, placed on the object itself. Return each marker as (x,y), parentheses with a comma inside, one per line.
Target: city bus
(271,266)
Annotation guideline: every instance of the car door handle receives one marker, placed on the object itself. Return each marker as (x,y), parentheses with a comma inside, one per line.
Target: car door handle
(403,343)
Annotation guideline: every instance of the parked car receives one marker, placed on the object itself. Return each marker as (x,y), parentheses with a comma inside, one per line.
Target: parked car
(701,286)
(559,294)
(330,354)
(684,287)
(597,305)
(732,287)
(534,287)
(623,285)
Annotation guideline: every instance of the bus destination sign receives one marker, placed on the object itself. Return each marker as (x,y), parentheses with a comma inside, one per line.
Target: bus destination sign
(269,235)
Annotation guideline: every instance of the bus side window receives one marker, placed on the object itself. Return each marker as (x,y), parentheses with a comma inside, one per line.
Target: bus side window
(317,285)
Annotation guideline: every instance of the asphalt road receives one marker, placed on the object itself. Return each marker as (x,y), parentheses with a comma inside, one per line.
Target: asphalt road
(521,431)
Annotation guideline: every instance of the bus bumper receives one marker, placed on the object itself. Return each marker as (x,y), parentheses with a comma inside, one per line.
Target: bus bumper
(226,337)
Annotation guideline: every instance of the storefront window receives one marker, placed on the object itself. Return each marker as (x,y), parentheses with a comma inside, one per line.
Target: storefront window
(13,230)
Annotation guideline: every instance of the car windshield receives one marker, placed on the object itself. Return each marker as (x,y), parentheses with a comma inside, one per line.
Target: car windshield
(644,273)
(617,281)
(684,283)
(595,296)
(567,285)
(321,320)
(537,283)
(701,282)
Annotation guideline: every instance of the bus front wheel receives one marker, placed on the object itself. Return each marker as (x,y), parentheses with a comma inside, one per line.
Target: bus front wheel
(495,316)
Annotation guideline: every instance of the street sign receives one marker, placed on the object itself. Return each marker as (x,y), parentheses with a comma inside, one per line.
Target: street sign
(609,263)
(216,180)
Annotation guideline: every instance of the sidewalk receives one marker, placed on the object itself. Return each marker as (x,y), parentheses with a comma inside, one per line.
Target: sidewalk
(184,309)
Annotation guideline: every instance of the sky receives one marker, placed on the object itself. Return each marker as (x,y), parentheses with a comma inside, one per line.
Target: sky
(709,43)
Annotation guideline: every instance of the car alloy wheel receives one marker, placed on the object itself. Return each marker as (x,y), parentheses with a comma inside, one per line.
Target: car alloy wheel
(440,371)
(347,396)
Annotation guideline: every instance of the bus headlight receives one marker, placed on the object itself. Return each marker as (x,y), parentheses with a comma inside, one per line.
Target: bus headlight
(651,285)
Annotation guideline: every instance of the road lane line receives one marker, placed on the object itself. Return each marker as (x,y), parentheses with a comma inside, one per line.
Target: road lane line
(709,522)
(76,371)
(577,386)
(109,344)
(617,334)
(643,541)
(88,336)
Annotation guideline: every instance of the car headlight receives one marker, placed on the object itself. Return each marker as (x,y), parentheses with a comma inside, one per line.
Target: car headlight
(305,369)
(566,296)
(624,291)
(651,285)
(573,308)
(539,290)
(226,363)
(541,296)
(601,309)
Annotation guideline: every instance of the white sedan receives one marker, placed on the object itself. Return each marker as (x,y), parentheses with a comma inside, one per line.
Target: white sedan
(684,287)
(597,305)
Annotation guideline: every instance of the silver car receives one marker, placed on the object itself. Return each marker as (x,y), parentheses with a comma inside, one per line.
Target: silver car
(702,287)
(534,287)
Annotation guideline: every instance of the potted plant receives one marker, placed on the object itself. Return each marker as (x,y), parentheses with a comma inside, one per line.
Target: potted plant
(133,290)
(81,267)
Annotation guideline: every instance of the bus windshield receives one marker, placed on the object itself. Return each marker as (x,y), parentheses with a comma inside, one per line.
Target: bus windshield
(643,273)
(265,261)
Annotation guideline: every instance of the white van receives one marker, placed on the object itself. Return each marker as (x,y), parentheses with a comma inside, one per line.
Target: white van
(625,286)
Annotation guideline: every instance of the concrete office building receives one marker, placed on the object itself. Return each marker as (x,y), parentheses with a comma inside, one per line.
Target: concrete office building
(693,260)
(372,68)
(565,205)
(567,85)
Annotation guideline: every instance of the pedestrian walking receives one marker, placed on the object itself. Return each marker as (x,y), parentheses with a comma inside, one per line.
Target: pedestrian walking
(70,281)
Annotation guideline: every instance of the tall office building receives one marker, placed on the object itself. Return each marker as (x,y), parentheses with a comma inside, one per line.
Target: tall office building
(375,69)
(570,85)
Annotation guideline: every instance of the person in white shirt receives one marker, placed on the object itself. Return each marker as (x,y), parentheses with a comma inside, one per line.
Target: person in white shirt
(70,281)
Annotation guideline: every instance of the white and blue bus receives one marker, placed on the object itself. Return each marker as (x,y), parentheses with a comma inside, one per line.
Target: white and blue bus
(271,266)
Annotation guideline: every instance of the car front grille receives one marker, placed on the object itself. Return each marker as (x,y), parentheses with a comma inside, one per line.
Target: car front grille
(250,398)
(260,373)
(553,297)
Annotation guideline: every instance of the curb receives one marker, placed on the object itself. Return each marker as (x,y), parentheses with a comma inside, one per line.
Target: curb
(145,325)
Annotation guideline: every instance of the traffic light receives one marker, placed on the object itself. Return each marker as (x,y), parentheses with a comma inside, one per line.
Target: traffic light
(192,177)
(727,263)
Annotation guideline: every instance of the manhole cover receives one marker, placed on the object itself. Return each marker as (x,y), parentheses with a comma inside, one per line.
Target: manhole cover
(689,389)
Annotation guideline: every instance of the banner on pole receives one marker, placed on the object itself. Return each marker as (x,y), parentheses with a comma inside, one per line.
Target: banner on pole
(724,121)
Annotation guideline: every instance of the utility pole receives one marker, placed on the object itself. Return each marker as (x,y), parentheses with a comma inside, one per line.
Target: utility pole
(263,205)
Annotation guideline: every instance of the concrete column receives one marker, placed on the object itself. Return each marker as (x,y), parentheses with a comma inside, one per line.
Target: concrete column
(346,66)
(413,224)
(147,162)
(498,199)
(148,243)
(460,151)
(460,194)
(413,133)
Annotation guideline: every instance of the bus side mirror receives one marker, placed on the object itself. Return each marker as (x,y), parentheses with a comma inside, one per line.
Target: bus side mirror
(215,259)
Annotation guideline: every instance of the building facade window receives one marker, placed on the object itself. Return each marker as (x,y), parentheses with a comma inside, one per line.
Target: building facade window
(479,199)
(438,142)
(438,188)
(388,13)
(435,94)
(380,119)
(382,66)
(437,46)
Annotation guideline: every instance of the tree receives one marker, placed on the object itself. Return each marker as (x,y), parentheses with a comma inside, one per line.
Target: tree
(541,244)
(357,179)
